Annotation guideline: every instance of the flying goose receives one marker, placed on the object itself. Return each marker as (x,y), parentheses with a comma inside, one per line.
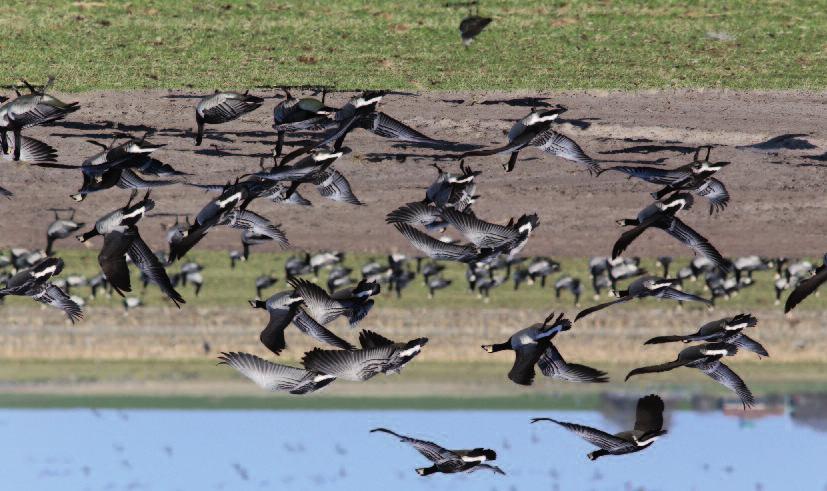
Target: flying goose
(806,287)
(377,355)
(662,214)
(61,228)
(29,110)
(418,213)
(706,358)
(695,177)
(353,303)
(648,428)
(453,190)
(727,330)
(305,114)
(448,461)
(535,130)
(646,286)
(509,239)
(305,170)
(254,224)
(532,346)
(284,308)
(437,249)
(222,107)
(34,282)
(275,377)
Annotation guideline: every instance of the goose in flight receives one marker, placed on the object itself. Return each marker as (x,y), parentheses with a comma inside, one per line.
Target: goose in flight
(33,282)
(706,358)
(646,286)
(532,346)
(448,461)
(222,107)
(648,428)
(728,330)
(274,377)
(353,303)
(806,287)
(377,355)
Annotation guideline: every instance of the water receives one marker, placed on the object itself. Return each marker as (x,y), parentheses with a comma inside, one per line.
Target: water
(82,449)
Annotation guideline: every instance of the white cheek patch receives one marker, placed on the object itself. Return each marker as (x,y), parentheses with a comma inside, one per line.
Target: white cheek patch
(411,351)
(736,326)
(136,212)
(641,443)
(360,102)
(712,352)
(45,272)
(327,156)
(322,377)
(133,148)
(479,458)
(234,197)
(655,286)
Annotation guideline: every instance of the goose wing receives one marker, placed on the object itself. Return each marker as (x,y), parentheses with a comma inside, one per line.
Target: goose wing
(667,292)
(41,109)
(654,175)
(487,467)
(649,414)
(717,194)
(317,302)
(729,379)
(267,375)
(52,295)
(594,436)
(33,151)
(112,258)
(629,236)
(143,257)
(553,365)
(272,336)
(331,184)
(559,145)
(743,341)
(434,248)
(356,365)
(308,325)
(415,214)
(131,180)
(591,310)
(695,241)
(663,367)
(806,288)
(479,232)
(255,223)
(227,106)
(522,372)
(385,126)
(429,450)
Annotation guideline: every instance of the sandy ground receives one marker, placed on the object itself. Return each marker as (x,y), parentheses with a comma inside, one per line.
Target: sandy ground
(778,206)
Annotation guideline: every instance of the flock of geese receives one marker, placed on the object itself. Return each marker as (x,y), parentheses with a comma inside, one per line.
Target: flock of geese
(128,163)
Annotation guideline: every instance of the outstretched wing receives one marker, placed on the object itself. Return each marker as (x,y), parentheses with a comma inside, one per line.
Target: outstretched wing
(143,257)
(309,326)
(522,372)
(667,292)
(247,220)
(318,303)
(695,241)
(592,435)
(729,379)
(629,236)
(415,214)
(591,310)
(479,232)
(805,289)
(50,294)
(434,248)
(743,341)
(654,175)
(131,180)
(717,194)
(332,185)
(649,417)
(663,367)
(559,145)
(385,126)
(267,375)
(429,450)
(112,259)
(553,365)
(356,365)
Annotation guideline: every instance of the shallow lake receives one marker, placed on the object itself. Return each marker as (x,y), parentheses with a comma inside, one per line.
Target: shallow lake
(85,449)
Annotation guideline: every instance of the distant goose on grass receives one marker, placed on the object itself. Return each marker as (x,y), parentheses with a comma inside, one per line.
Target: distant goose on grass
(34,282)
(572,285)
(285,308)
(535,130)
(448,461)
(648,428)
(353,303)
(695,177)
(806,287)
(706,358)
(275,377)
(437,249)
(532,346)
(646,286)
(305,114)
(222,107)
(662,215)
(435,283)
(727,330)
(380,356)
(29,110)
(263,282)
(471,27)
(61,228)
(664,262)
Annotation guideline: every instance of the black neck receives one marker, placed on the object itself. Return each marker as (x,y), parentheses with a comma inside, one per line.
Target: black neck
(501,346)
(427,471)
(88,235)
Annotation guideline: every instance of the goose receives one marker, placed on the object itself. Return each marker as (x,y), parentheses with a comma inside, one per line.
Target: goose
(664,262)
(382,356)
(33,282)
(542,267)
(509,239)
(448,461)
(646,286)
(453,190)
(418,214)
(222,107)
(571,284)
(304,170)
(285,308)
(749,265)
(695,177)
(61,228)
(33,151)
(333,185)
(401,280)
(236,256)
(648,428)
(254,225)
(471,27)
(437,249)
(353,303)
(305,114)
(263,282)
(249,238)
(662,215)
(532,346)
(339,277)
(706,358)
(806,287)
(435,283)
(29,110)
(727,330)
(325,260)
(535,130)
(297,265)
(120,218)
(274,377)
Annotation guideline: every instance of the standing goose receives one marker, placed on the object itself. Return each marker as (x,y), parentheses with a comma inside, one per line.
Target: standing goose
(222,107)
(646,286)
(305,114)
(535,130)
(448,461)
(32,109)
(695,177)
(34,282)
(285,308)
(662,214)
(471,27)
(507,239)
(806,287)
(648,428)
(60,229)
(378,355)
(532,346)
(275,377)
(353,303)
(727,330)
(706,358)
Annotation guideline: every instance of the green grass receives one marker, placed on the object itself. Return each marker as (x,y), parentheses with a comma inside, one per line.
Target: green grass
(532,44)
(225,287)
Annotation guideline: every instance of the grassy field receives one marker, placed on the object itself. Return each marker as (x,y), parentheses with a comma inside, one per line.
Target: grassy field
(225,287)
(532,44)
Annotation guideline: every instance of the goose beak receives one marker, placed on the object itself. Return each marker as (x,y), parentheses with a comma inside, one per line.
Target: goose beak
(488,348)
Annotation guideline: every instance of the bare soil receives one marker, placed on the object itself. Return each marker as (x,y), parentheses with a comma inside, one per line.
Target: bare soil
(778,207)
